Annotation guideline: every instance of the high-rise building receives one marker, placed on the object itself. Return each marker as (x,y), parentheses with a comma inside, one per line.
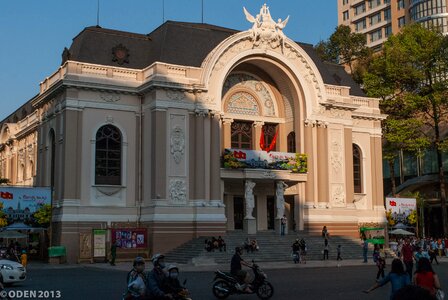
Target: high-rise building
(379,19)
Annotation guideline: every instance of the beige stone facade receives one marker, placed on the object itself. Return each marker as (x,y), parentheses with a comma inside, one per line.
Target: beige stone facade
(175,122)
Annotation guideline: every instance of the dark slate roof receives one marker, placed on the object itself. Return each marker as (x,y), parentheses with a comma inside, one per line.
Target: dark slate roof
(178,43)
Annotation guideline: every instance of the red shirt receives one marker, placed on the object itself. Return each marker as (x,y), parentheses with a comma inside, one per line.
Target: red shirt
(406,251)
(426,280)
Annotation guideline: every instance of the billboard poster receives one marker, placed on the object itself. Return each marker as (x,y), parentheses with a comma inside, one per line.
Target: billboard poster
(130,238)
(99,243)
(401,212)
(19,203)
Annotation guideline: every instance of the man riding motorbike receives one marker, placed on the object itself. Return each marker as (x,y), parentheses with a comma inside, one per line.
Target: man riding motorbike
(156,279)
(136,281)
(171,284)
(237,272)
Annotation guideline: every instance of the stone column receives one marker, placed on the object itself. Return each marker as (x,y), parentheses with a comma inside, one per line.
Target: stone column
(199,167)
(226,133)
(322,163)
(250,223)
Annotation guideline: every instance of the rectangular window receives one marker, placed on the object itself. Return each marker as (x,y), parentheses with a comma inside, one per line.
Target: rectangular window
(344,2)
(374,3)
(386,1)
(376,35)
(375,19)
(345,15)
(360,9)
(388,31)
(400,4)
(361,25)
(387,15)
(401,22)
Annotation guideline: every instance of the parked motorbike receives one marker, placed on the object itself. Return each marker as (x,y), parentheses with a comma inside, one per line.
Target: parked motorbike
(225,284)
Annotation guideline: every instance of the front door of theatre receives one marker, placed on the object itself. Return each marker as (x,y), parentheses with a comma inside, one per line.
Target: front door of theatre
(238,212)
(270,210)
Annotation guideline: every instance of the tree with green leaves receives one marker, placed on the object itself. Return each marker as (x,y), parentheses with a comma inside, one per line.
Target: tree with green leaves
(345,47)
(410,75)
(42,216)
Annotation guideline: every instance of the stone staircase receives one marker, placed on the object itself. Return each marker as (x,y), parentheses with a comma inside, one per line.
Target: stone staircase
(272,248)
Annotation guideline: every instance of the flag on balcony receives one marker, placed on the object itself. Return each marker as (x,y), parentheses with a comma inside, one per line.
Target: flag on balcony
(271,145)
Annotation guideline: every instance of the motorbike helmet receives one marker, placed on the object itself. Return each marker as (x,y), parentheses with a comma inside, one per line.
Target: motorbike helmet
(172,267)
(156,257)
(139,261)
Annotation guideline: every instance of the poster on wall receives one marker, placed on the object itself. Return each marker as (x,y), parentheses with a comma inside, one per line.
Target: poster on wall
(130,238)
(20,203)
(99,243)
(401,212)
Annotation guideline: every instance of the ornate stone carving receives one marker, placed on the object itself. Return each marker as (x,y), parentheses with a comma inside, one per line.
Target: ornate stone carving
(177,143)
(265,32)
(310,123)
(178,190)
(120,54)
(336,156)
(110,97)
(338,195)
(243,103)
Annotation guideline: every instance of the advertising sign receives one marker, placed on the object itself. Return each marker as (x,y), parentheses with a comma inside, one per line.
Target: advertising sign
(240,158)
(99,243)
(19,203)
(401,211)
(130,238)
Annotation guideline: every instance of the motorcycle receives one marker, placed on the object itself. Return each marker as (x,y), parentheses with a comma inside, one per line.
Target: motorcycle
(225,284)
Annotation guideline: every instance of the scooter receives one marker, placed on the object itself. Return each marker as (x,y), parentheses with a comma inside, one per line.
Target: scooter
(225,284)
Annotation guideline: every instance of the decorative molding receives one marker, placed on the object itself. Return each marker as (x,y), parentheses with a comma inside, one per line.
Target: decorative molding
(177,144)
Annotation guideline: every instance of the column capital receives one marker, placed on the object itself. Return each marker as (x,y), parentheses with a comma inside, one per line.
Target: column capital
(226,121)
(258,124)
(310,123)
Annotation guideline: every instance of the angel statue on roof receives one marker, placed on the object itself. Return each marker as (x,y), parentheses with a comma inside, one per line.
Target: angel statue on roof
(279,26)
(256,24)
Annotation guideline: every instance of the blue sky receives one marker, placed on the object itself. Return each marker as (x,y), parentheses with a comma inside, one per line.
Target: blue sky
(34,33)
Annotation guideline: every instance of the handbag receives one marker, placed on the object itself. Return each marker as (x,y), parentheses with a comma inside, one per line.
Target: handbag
(440,294)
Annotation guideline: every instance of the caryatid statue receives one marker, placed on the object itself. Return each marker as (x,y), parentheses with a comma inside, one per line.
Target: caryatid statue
(250,199)
(280,199)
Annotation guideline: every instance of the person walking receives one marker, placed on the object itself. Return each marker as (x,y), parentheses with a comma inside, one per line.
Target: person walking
(425,277)
(339,250)
(397,277)
(113,253)
(407,254)
(283,222)
(326,249)
(365,248)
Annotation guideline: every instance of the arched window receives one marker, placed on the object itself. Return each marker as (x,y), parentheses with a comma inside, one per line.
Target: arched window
(269,131)
(108,156)
(357,169)
(241,135)
(292,142)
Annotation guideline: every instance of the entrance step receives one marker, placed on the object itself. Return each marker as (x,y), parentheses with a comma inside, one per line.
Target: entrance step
(272,248)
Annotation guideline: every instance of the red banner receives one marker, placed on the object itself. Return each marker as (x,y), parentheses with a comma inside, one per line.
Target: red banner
(130,238)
